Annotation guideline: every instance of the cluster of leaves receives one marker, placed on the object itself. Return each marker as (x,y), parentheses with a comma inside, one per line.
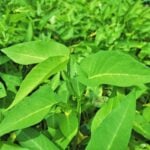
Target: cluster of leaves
(74,75)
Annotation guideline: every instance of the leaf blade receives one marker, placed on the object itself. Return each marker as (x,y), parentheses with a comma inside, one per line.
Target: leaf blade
(37,75)
(42,100)
(7,146)
(112,67)
(32,139)
(116,127)
(35,51)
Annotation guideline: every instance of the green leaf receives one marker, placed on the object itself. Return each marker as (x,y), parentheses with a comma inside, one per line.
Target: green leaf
(146,113)
(63,127)
(68,124)
(29,34)
(1,115)
(55,81)
(75,87)
(104,112)
(35,51)
(114,131)
(32,139)
(2,91)
(53,126)
(11,81)
(3,59)
(107,108)
(142,126)
(29,112)
(113,67)
(7,146)
(38,74)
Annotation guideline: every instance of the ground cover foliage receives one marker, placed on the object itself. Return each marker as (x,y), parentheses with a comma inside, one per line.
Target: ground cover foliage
(74,75)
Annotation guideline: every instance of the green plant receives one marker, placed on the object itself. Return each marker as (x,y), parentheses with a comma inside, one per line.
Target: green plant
(92,93)
(63,116)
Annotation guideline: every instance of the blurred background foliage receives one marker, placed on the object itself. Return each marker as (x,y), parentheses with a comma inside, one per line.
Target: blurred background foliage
(84,25)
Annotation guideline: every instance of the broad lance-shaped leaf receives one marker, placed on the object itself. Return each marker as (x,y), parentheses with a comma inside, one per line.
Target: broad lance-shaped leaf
(35,51)
(104,112)
(108,107)
(113,133)
(38,74)
(32,139)
(113,67)
(28,112)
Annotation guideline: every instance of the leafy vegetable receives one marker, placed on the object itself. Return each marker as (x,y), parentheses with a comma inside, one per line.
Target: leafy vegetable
(72,73)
